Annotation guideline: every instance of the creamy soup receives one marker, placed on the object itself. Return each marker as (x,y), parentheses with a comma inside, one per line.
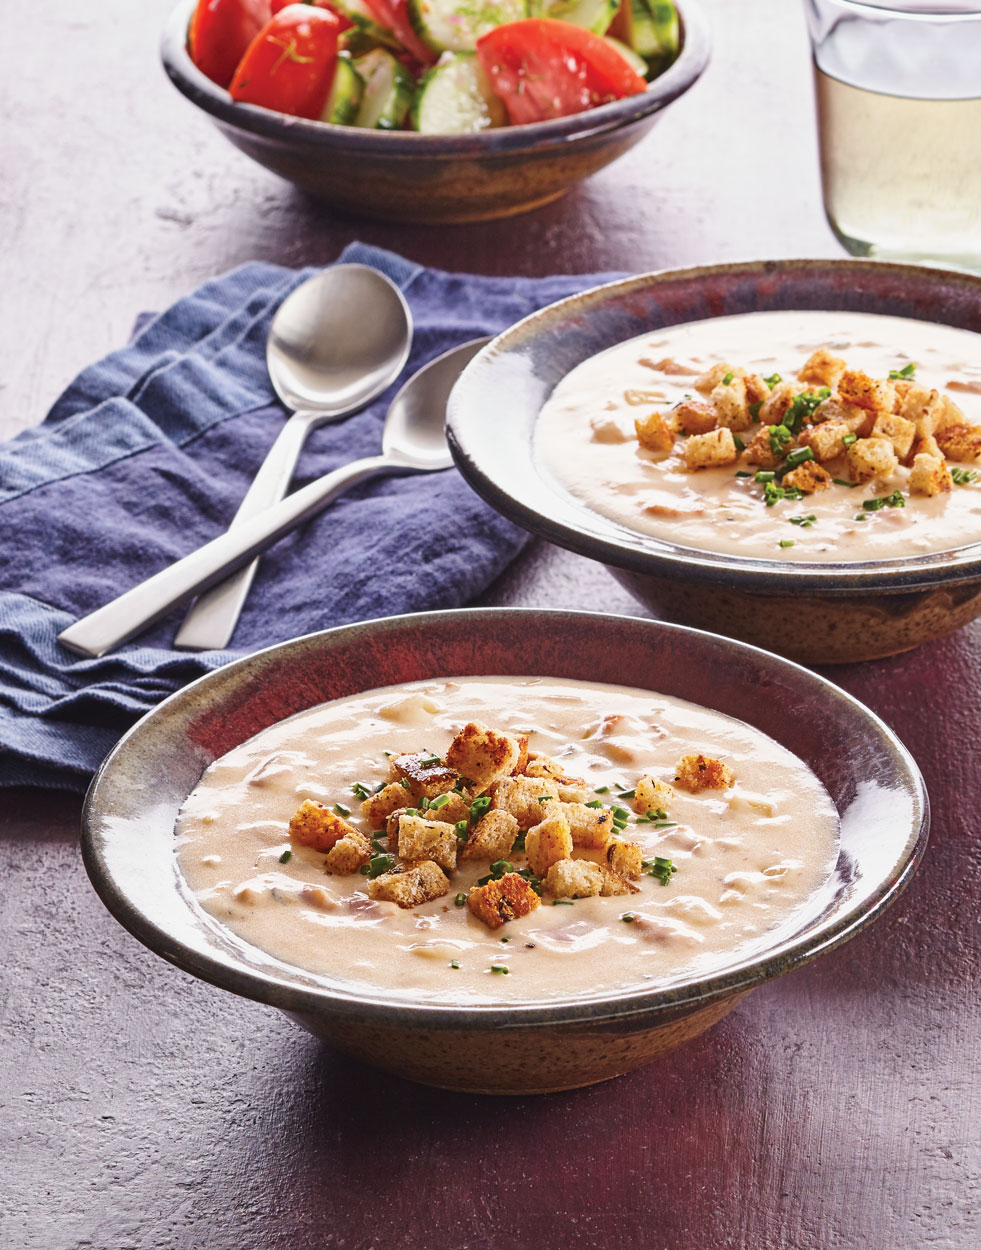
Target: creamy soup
(585,439)
(744,860)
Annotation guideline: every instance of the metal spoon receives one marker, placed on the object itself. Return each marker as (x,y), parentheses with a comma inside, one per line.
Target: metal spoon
(335,344)
(413,441)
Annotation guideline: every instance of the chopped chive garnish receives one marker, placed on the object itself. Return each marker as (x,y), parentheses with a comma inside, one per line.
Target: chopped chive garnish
(802,406)
(665,824)
(727,379)
(620,813)
(286,857)
(377,865)
(628,917)
(441,800)
(478,807)
(454,963)
(460,900)
(779,437)
(786,542)
(848,439)
(861,516)
(430,761)
(360,791)
(546,798)
(963,477)
(462,829)
(657,813)
(772,380)
(505,939)
(895,500)
(840,481)
(406,783)
(594,803)
(519,841)
(602,790)
(660,868)
(341,810)
(764,475)
(377,847)
(739,444)
(627,794)
(501,969)
(773,493)
(805,522)
(754,409)
(907,371)
(562,902)
(743,473)
(799,456)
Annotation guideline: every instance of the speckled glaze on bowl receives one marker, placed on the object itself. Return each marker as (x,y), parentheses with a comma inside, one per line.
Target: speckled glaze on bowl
(814,613)
(402,176)
(128,832)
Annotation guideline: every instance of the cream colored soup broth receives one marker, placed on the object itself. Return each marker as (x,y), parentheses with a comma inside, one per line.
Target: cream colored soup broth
(585,439)
(747,858)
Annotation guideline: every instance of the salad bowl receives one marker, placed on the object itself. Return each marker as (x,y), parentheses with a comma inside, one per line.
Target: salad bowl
(429,178)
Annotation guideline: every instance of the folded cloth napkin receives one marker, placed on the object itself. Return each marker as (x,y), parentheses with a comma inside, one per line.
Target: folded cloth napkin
(147,455)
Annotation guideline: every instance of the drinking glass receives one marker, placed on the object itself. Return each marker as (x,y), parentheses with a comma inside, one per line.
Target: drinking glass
(898,89)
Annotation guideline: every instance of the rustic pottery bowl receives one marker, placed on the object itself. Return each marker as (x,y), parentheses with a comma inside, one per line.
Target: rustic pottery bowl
(815,613)
(128,832)
(402,176)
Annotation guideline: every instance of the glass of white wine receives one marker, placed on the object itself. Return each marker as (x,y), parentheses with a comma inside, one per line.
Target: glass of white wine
(898,88)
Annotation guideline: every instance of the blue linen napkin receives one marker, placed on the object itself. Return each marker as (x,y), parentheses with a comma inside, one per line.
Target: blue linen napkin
(147,455)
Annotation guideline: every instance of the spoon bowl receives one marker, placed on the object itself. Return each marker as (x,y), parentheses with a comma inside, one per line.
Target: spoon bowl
(415,425)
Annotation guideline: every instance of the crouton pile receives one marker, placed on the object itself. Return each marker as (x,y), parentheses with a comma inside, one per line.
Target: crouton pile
(831,424)
(492,800)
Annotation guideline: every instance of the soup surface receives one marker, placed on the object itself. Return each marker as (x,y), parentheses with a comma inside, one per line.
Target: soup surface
(585,439)
(745,859)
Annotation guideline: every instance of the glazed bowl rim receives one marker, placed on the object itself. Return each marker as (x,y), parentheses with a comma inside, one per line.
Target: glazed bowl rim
(792,951)
(613,543)
(268,124)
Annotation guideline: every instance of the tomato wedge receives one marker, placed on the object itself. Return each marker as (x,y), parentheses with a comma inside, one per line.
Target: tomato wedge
(541,68)
(394,16)
(289,66)
(219,33)
(346,22)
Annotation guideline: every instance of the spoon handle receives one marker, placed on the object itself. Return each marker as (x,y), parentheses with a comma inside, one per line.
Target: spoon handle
(133,611)
(211,619)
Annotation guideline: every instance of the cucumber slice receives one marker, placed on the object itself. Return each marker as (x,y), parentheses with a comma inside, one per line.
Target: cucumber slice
(345,94)
(455,98)
(636,62)
(595,15)
(650,27)
(456,25)
(388,89)
(364,21)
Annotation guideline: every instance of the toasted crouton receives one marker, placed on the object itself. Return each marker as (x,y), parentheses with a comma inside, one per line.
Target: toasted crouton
(614,884)
(651,794)
(807,477)
(450,807)
(757,389)
(348,854)
(759,450)
(774,407)
(825,440)
(377,808)
(923,407)
(523,757)
(317,826)
(590,827)
(423,778)
(822,368)
(706,382)
(542,766)
(960,442)
(927,445)
(701,772)
(419,838)
(482,755)
(574,878)
(524,797)
(703,451)
(654,433)
(492,837)
(546,843)
(951,414)
(731,405)
(859,420)
(691,416)
(497,902)
(929,476)
(410,886)
(871,457)
(626,859)
(898,430)
(873,394)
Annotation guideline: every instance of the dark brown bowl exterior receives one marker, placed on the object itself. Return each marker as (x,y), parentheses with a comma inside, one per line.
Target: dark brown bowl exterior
(401,176)
(131,808)
(814,613)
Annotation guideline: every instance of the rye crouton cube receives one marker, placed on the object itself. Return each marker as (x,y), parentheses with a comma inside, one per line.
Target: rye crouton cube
(348,854)
(692,416)
(546,843)
(825,440)
(873,394)
(650,795)
(808,477)
(929,476)
(426,776)
(492,837)
(591,827)
(871,457)
(822,368)
(574,878)
(524,797)
(419,838)
(377,808)
(626,859)
(409,887)
(654,433)
(482,755)
(497,902)
(898,430)
(960,442)
(731,405)
(317,826)
(704,451)
(923,407)
(702,772)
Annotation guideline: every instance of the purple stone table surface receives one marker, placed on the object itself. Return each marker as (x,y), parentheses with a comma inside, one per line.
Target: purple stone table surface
(141,1108)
